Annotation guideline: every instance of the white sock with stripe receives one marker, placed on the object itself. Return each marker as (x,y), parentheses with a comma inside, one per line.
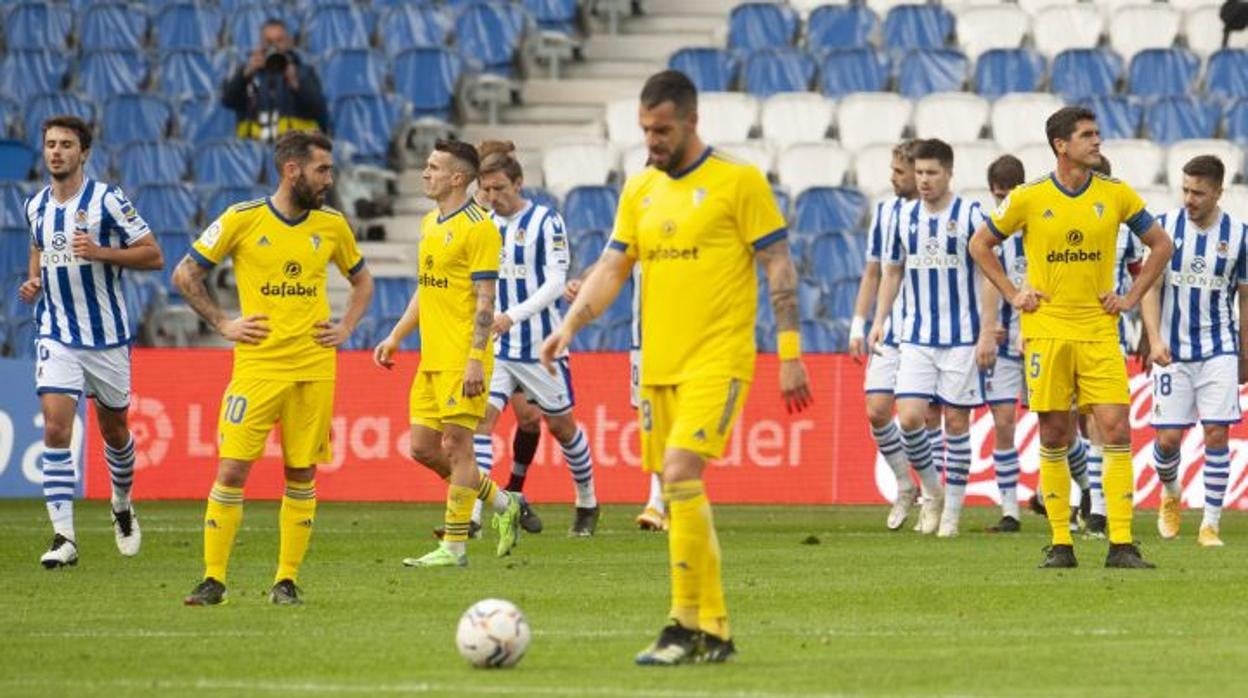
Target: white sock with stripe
(957,472)
(59,479)
(1096,470)
(1216,475)
(1005,466)
(919,453)
(888,441)
(581,466)
(121,471)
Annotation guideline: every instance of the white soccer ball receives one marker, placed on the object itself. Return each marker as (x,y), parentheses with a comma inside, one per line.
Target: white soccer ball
(492,633)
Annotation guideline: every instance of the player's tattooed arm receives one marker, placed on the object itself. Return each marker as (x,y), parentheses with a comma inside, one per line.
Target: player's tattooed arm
(777,264)
(483,318)
(190,279)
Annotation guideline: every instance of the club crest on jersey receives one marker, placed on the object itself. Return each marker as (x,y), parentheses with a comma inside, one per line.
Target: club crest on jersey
(449,236)
(264,241)
(1099,208)
(1048,213)
(699,195)
(1224,248)
(80,219)
(951,226)
(316,242)
(520,235)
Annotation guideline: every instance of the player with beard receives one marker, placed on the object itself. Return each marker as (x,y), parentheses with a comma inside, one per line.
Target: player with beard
(284,355)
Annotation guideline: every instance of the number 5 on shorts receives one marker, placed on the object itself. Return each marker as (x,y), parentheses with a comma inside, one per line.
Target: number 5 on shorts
(1035,365)
(235,408)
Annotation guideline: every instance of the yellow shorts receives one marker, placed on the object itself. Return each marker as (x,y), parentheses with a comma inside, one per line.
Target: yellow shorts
(697,415)
(252,406)
(437,398)
(1063,372)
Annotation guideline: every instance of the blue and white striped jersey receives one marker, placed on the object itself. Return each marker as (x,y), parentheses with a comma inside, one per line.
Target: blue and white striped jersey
(531,278)
(940,298)
(1198,296)
(83,303)
(883,221)
(1130,251)
(1010,252)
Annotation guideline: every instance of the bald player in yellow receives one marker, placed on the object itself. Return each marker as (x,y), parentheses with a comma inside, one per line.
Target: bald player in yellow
(1069,221)
(284,355)
(454,309)
(697,221)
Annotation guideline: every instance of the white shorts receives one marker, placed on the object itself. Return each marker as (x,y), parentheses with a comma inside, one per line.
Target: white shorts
(634,378)
(882,369)
(1207,389)
(947,375)
(552,394)
(103,374)
(1005,382)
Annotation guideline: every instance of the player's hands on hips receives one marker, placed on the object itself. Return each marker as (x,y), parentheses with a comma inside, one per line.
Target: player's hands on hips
(554,345)
(986,350)
(30,289)
(1115,304)
(383,353)
(474,378)
(1027,299)
(84,247)
(795,386)
(502,323)
(252,329)
(570,290)
(331,334)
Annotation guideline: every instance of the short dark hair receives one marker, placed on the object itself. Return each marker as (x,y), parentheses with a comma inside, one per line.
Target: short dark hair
(1061,124)
(670,86)
(1006,172)
(1208,167)
(73,123)
(298,145)
(905,150)
(496,156)
(1104,167)
(934,149)
(464,152)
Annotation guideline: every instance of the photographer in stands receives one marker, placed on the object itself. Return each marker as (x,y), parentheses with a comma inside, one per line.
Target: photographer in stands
(275,91)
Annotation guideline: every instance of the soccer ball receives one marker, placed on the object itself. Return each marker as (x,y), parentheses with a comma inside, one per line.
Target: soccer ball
(492,633)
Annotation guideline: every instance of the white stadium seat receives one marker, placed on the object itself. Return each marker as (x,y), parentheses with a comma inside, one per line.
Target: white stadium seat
(872,117)
(1135,161)
(991,26)
(755,152)
(726,117)
(1230,154)
(574,163)
(953,117)
(881,7)
(1033,7)
(796,117)
(971,161)
(1137,27)
(1159,199)
(873,170)
(1056,29)
(633,159)
(1203,29)
(1018,119)
(983,196)
(1189,5)
(1235,201)
(1037,159)
(817,164)
(622,128)
(1109,7)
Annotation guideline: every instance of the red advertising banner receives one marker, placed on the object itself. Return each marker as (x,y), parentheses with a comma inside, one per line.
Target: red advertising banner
(822,456)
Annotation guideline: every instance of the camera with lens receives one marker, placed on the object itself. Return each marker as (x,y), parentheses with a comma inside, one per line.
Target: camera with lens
(276,60)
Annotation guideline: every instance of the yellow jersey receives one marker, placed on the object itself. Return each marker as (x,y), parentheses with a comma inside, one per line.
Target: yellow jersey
(1070,241)
(455,251)
(694,234)
(281,267)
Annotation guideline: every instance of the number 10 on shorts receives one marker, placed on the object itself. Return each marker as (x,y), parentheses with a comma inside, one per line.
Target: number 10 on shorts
(235,409)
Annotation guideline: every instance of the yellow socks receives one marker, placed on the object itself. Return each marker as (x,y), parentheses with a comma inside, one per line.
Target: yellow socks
(295,522)
(221,521)
(1118,481)
(697,589)
(459,501)
(1055,492)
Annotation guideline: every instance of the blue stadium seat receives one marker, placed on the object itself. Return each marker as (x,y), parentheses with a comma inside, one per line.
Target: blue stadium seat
(42,107)
(819,336)
(187,25)
(840,26)
(368,124)
(755,25)
(835,256)
(16,160)
(107,26)
(924,71)
(783,200)
(15,255)
(157,162)
(1236,127)
(917,26)
(809,299)
(245,22)
(220,198)
(589,339)
(10,117)
(427,79)
(391,294)
(838,299)
(329,27)
(587,246)
(540,196)
(203,119)
(770,71)
(1085,72)
(413,26)
(1001,71)
(183,73)
(12,197)
(847,71)
(489,33)
(1226,76)
(228,162)
(36,25)
(167,207)
(554,15)
(1171,119)
(351,72)
(174,245)
(26,73)
(590,208)
(621,309)
(1163,72)
(1117,116)
(619,336)
(135,117)
(710,69)
(102,74)
(827,209)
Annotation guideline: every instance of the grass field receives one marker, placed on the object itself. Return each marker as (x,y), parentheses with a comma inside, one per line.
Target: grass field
(862,612)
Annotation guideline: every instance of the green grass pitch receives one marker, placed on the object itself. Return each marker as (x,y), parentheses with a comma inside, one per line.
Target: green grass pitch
(862,612)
